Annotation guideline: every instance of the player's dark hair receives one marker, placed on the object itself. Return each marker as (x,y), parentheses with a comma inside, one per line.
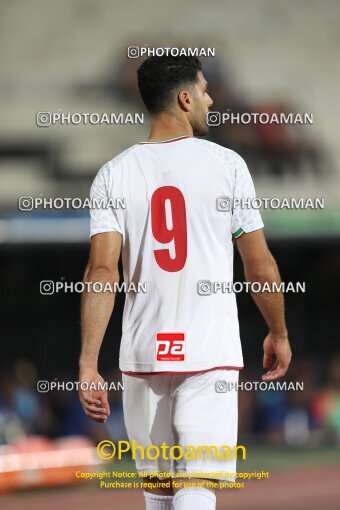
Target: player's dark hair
(160,77)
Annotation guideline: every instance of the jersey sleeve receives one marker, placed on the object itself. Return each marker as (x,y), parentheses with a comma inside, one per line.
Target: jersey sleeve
(245,218)
(103,215)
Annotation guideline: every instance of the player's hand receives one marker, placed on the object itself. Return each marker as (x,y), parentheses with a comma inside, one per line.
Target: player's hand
(94,401)
(276,357)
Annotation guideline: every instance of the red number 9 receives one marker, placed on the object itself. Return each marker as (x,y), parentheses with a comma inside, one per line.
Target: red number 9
(163,234)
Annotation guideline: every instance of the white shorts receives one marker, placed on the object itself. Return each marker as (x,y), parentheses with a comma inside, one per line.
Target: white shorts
(185,410)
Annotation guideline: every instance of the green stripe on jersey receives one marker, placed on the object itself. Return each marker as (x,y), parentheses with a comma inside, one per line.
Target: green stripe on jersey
(238,233)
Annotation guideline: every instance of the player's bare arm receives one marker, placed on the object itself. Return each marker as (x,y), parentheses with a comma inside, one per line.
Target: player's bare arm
(260,266)
(96,310)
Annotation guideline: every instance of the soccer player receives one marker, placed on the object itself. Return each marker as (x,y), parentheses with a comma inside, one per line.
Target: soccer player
(180,347)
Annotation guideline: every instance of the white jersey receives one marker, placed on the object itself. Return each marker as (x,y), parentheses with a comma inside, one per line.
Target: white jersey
(177,228)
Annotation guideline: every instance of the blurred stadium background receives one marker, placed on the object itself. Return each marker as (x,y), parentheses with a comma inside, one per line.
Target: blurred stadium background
(70,56)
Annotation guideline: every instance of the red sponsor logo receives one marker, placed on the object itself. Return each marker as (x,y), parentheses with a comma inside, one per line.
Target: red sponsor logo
(170,347)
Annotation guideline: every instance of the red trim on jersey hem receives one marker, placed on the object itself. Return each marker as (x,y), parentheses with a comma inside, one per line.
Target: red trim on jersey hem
(165,141)
(190,372)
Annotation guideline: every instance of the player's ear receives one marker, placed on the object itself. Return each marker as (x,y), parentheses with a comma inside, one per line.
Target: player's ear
(184,100)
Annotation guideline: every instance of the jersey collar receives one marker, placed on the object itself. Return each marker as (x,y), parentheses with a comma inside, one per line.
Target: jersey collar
(165,140)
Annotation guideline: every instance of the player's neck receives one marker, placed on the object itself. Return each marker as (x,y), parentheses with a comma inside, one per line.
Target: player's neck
(165,127)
